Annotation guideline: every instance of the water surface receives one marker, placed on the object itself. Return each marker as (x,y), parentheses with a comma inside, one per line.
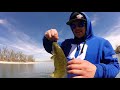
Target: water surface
(38,70)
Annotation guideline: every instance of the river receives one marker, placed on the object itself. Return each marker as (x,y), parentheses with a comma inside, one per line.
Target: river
(37,70)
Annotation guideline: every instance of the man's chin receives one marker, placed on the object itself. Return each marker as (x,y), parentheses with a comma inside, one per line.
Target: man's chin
(79,36)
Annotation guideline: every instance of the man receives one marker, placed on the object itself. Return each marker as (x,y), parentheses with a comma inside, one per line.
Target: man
(88,56)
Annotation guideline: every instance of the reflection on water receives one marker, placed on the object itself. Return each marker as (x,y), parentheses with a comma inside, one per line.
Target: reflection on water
(39,70)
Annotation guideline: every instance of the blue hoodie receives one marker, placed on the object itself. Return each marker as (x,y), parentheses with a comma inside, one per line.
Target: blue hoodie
(96,50)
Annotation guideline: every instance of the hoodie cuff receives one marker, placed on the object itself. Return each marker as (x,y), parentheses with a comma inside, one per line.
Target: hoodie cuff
(99,71)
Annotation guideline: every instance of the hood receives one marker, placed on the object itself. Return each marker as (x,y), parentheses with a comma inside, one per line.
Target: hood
(89,32)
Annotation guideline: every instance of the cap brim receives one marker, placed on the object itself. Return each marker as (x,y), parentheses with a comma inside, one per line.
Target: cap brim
(73,20)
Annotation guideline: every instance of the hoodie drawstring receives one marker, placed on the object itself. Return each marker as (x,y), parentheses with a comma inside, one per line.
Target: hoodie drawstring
(78,49)
(83,47)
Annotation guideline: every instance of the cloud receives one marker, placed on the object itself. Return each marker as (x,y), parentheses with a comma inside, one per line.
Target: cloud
(113,34)
(16,39)
(94,19)
(2,21)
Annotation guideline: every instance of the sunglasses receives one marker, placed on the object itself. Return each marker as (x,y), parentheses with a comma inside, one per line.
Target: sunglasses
(79,24)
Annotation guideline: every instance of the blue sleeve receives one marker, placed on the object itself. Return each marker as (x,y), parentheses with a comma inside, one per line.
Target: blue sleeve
(47,44)
(109,66)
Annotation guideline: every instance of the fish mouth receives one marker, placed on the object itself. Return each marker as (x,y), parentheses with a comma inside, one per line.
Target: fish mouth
(54,48)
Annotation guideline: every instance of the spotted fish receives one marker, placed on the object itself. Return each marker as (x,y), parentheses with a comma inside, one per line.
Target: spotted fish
(60,62)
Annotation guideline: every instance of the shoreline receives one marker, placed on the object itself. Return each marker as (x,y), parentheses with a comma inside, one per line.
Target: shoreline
(6,62)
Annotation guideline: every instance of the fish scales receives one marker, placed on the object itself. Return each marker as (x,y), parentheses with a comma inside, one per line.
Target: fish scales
(60,62)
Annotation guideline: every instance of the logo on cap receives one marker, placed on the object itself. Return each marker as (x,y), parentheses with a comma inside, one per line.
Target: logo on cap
(79,16)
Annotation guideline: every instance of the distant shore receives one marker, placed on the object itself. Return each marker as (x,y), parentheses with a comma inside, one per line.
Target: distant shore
(6,62)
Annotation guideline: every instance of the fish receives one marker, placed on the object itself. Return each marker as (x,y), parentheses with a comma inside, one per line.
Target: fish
(60,61)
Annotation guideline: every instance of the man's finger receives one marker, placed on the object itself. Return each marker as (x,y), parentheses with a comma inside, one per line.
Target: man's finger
(75,61)
(78,77)
(77,72)
(75,66)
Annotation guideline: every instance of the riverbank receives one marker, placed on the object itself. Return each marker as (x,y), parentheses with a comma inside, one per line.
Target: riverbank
(35,62)
(6,62)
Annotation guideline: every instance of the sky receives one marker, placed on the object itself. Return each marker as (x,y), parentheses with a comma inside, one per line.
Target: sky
(24,31)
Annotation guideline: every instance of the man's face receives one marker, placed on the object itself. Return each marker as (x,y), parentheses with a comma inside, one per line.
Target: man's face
(78,28)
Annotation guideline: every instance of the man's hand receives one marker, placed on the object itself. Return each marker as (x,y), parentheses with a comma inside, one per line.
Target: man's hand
(52,35)
(82,68)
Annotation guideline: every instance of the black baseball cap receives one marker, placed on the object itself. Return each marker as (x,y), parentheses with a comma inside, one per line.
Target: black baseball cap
(76,16)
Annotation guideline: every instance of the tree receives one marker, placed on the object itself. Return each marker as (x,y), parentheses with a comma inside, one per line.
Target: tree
(117,49)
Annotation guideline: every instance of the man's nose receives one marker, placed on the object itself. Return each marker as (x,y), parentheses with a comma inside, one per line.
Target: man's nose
(77,27)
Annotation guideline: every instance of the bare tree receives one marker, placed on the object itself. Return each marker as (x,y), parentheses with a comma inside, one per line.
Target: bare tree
(11,55)
(117,50)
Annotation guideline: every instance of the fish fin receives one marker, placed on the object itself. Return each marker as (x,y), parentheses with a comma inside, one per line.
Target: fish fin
(53,57)
(52,75)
